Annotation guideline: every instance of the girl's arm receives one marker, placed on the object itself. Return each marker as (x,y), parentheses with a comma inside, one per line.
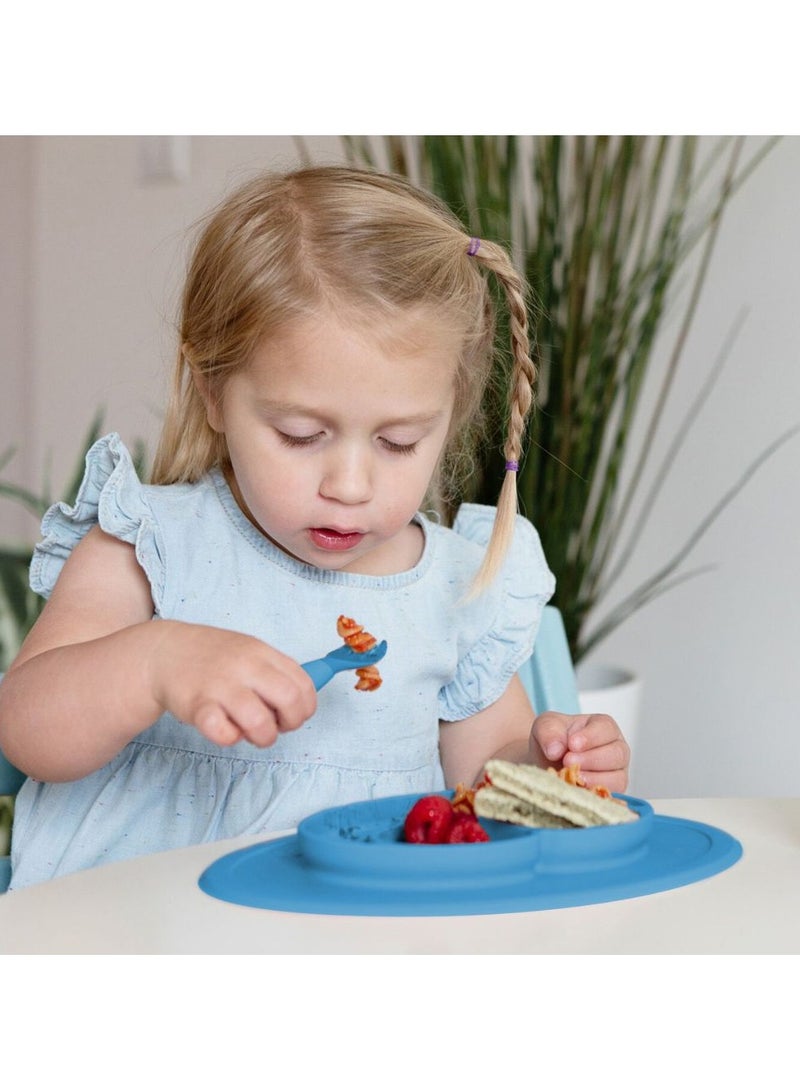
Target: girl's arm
(509,729)
(96,670)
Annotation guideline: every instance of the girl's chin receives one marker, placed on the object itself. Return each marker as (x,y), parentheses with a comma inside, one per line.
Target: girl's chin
(321,554)
(321,547)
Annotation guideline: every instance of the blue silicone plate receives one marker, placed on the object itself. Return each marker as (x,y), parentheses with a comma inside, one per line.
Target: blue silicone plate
(352,861)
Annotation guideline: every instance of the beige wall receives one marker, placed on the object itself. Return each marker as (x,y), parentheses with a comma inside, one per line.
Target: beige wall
(92,320)
(16,230)
(92,257)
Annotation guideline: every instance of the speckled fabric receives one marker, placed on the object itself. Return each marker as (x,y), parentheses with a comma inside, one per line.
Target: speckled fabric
(448,658)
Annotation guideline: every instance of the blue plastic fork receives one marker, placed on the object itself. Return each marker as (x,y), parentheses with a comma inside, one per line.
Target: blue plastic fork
(342,659)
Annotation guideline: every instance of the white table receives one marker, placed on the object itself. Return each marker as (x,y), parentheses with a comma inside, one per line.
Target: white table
(152,905)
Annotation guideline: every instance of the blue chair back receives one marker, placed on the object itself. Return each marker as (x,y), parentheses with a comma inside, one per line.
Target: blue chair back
(549,675)
(11,780)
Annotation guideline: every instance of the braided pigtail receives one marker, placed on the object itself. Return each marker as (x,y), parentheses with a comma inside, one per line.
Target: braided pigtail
(520,400)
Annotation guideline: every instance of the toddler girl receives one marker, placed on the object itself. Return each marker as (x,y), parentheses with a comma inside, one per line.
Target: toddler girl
(335,346)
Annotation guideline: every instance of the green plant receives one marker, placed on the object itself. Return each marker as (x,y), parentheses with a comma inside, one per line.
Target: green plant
(602,227)
(6,819)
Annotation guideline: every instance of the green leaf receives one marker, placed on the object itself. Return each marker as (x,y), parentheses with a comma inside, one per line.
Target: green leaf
(614,233)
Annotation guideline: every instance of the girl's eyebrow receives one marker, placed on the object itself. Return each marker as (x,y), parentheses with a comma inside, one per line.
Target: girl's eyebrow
(290,409)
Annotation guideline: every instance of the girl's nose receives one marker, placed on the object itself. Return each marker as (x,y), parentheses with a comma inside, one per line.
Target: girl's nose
(347,477)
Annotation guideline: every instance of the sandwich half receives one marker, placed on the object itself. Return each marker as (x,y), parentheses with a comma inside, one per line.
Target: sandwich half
(529,796)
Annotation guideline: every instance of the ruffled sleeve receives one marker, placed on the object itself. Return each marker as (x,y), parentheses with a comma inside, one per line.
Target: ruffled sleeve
(111,496)
(511,611)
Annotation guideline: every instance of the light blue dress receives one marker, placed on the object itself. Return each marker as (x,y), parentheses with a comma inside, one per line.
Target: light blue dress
(448,658)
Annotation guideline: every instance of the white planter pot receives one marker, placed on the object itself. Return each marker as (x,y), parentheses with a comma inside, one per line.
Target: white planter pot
(615,692)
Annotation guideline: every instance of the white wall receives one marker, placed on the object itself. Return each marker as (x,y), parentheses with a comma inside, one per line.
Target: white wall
(107,253)
(719,654)
(95,257)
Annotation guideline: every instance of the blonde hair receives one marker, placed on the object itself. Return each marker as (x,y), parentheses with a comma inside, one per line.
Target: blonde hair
(283,245)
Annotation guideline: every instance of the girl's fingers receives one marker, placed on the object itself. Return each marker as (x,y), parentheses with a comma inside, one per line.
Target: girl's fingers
(587,732)
(550,730)
(213,723)
(614,755)
(231,686)
(598,748)
(256,711)
(291,699)
(255,720)
(605,766)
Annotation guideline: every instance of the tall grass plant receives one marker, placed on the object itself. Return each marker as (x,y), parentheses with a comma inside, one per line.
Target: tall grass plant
(614,234)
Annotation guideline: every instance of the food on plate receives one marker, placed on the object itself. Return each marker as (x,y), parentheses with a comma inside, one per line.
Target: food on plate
(466,829)
(523,795)
(436,820)
(357,638)
(464,799)
(528,796)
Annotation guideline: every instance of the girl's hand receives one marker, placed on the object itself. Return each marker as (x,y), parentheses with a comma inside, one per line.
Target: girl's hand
(230,686)
(503,730)
(593,742)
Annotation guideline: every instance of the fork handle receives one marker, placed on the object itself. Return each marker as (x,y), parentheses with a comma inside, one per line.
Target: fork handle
(320,671)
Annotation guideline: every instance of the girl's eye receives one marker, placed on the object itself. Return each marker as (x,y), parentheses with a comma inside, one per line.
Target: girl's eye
(399,448)
(298,441)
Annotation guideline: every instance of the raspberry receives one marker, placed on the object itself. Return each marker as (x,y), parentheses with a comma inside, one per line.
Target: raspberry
(429,821)
(466,828)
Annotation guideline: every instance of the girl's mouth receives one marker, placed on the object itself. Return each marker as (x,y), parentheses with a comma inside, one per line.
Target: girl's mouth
(335,540)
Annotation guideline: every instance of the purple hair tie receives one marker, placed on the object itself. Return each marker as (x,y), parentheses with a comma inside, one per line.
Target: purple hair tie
(512,465)
(472,249)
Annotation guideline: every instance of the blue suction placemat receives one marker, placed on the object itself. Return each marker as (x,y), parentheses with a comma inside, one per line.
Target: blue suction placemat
(351,861)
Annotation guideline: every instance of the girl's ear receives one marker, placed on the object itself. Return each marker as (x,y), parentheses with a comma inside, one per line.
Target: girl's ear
(204,388)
